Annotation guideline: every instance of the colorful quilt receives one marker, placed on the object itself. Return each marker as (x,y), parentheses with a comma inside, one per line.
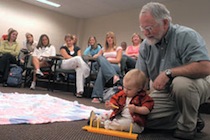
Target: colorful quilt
(18,108)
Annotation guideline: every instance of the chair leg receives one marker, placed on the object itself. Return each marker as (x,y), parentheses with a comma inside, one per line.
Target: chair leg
(49,88)
(27,77)
(53,83)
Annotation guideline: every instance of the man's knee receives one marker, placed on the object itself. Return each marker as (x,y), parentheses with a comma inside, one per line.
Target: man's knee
(180,83)
(181,86)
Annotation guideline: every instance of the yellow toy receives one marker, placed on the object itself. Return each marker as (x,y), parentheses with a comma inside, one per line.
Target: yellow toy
(121,134)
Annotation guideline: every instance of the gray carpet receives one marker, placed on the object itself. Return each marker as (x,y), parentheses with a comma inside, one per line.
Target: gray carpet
(73,130)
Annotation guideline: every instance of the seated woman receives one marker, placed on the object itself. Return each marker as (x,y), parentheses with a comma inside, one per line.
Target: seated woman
(28,47)
(92,49)
(132,51)
(73,60)
(109,61)
(39,57)
(9,51)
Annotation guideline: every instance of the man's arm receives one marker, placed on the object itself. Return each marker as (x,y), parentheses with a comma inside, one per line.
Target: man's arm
(195,70)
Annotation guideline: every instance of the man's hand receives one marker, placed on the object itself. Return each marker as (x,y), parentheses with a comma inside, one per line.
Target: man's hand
(161,81)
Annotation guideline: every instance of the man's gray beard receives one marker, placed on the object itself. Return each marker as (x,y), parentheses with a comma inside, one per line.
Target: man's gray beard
(152,41)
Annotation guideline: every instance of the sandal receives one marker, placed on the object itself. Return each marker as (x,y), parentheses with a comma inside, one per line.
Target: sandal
(115,79)
(79,95)
(119,85)
(96,100)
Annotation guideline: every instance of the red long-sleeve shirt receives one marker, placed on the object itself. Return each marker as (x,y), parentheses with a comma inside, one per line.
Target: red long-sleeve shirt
(141,99)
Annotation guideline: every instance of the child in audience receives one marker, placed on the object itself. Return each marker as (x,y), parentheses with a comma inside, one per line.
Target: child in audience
(131,105)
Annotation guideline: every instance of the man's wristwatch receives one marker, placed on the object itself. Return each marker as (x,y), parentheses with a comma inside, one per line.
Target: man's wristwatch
(169,73)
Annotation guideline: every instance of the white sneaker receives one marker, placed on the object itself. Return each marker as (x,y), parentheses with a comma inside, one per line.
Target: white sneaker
(38,72)
(33,84)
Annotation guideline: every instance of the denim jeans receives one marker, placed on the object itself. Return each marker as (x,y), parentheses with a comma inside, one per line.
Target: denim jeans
(106,72)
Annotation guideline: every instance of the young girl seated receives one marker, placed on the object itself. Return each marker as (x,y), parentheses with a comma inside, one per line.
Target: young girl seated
(131,105)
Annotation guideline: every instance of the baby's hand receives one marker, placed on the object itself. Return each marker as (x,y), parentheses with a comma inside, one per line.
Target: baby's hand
(110,105)
(131,108)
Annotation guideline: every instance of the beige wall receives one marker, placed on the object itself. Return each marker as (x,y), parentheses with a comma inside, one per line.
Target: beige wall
(123,24)
(192,13)
(28,18)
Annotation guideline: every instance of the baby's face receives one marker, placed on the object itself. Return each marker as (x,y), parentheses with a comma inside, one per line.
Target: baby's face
(129,89)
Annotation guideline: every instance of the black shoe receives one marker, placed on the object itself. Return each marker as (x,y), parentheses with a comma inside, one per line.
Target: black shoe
(5,84)
(119,85)
(58,79)
(79,95)
(187,135)
(200,123)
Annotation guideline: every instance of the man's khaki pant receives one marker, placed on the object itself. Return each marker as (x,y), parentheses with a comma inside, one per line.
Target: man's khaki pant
(178,108)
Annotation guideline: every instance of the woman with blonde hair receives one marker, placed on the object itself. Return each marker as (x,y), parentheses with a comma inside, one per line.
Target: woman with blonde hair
(109,62)
(93,47)
(28,47)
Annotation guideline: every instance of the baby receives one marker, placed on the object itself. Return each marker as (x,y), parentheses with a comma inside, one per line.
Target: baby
(131,105)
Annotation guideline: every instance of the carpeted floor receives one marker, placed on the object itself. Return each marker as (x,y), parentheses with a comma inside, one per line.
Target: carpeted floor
(73,130)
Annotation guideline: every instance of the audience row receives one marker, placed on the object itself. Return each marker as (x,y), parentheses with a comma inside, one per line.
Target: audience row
(173,57)
(108,56)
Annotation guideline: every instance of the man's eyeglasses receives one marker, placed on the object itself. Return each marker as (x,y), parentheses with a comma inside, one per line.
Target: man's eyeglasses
(148,28)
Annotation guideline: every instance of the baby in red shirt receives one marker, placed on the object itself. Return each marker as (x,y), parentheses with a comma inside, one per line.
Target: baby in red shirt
(131,105)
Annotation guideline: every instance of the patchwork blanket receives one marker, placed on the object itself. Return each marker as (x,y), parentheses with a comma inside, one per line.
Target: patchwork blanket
(18,108)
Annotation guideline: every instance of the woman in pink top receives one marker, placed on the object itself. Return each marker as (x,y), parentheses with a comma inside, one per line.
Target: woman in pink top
(109,59)
(132,52)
